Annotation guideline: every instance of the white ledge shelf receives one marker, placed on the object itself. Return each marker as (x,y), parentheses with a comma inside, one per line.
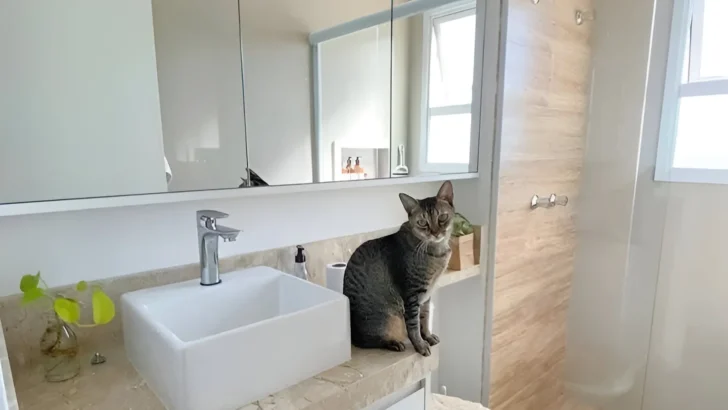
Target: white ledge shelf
(455,276)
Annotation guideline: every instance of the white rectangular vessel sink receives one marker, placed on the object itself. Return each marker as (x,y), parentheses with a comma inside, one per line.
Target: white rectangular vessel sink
(223,346)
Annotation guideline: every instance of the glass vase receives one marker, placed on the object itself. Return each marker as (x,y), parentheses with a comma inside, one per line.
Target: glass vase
(59,350)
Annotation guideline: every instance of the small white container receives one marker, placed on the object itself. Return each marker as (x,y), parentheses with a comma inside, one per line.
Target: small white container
(335,276)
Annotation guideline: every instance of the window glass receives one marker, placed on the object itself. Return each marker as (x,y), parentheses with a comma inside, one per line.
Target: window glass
(702,133)
(452,48)
(449,139)
(714,53)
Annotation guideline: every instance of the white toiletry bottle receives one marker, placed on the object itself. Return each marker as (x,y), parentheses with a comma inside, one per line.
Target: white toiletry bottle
(299,268)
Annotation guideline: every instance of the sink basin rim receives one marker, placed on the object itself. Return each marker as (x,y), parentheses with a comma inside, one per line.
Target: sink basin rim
(132,301)
(178,343)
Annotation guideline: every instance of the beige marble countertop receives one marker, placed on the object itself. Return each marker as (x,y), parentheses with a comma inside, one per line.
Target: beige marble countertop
(369,376)
(115,385)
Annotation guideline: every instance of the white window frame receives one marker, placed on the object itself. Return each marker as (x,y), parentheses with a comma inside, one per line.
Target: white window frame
(449,12)
(682,24)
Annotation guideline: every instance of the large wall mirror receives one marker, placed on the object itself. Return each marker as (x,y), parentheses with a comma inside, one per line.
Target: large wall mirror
(340,90)
(189,95)
(107,98)
(316,95)
(436,79)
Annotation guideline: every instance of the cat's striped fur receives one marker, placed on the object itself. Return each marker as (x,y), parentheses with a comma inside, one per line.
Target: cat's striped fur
(389,280)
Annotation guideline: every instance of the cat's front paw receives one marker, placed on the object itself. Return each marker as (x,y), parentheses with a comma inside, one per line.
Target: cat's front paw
(422,347)
(432,339)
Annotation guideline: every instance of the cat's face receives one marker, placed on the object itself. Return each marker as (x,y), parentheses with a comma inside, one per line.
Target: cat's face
(431,218)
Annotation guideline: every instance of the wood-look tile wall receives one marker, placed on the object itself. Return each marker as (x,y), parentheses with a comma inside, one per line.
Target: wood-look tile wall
(544,124)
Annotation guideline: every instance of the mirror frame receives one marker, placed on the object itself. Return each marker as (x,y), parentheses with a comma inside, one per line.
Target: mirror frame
(63,205)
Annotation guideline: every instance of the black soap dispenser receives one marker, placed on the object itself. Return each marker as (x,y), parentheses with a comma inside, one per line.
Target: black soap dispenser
(299,267)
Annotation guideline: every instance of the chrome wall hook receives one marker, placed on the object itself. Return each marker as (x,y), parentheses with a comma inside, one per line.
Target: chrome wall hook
(538,202)
(560,200)
(580,16)
(550,202)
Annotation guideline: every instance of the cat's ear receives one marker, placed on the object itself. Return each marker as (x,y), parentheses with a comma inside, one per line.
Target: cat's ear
(445,193)
(408,202)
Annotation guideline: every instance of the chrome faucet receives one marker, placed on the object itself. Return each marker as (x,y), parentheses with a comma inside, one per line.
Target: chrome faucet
(207,233)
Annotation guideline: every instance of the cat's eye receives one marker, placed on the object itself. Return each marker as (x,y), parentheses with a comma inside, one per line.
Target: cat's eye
(422,223)
(443,218)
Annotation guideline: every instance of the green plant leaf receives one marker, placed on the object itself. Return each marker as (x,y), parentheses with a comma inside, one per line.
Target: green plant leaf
(81,286)
(461,226)
(103,307)
(67,309)
(29,282)
(31,295)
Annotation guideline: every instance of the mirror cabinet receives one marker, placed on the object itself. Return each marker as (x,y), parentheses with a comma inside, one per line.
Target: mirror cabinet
(119,98)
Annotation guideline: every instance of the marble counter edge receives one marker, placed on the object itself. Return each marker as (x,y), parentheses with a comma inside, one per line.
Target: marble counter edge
(355,384)
(369,376)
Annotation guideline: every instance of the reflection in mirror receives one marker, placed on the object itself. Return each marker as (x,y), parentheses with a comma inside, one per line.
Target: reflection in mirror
(437,77)
(359,89)
(119,97)
(351,82)
(317,89)
(200,88)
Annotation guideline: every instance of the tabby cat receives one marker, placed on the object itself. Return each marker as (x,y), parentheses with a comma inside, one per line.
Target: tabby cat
(389,280)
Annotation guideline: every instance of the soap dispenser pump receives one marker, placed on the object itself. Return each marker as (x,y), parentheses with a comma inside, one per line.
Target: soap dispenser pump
(299,268)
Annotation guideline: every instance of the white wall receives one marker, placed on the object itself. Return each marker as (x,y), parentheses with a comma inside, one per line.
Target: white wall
(103,243)
(79,107)
(201,92)
(460,310)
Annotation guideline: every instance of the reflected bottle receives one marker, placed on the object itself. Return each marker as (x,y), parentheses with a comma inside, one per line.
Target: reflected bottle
(358,169)
(59,350)
(347,170)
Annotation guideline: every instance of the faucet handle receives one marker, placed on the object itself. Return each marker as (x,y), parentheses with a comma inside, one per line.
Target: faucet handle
(210,216)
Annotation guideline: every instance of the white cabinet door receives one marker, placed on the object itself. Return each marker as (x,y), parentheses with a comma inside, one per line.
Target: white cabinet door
(415,401)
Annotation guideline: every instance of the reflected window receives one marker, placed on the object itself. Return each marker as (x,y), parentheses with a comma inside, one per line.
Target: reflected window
(448,86)
(694,131)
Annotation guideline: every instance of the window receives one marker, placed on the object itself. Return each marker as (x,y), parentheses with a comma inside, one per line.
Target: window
(449,56)
(694,130)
